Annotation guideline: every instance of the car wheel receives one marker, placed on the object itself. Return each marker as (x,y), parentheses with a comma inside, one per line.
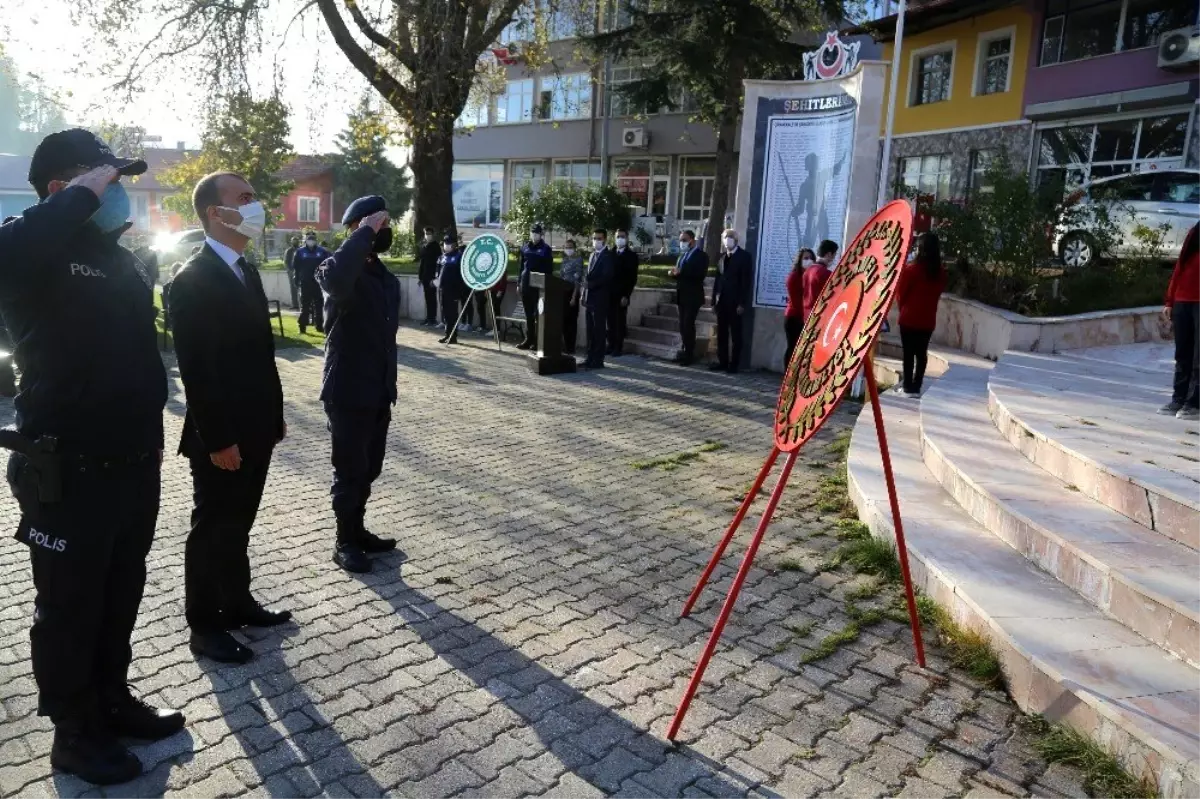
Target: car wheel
(1077,250)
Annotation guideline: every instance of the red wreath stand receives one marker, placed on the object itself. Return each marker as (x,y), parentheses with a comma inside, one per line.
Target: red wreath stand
(837,341)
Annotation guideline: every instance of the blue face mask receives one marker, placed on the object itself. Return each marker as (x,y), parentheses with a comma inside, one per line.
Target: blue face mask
(114,209)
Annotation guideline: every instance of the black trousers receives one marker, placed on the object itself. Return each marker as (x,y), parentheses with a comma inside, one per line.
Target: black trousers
(617,325)
(295,287)
(216,565)
(1186,319)
(729,331)
(311,306)
(431,301)
(529,301)
(793,326)
(88,556)
(359,440)
(916,356)
(570,324)
(481,310)
(689,309)
(596,320)
(450,313)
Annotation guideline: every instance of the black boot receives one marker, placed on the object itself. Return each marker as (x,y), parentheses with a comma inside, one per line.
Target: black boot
(373,544)
(348,552)
(130,717)
(92,754)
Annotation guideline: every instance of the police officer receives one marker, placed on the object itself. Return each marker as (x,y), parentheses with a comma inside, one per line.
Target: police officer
(427,272)
(362,312)
(451,284)
(304,264)
(536,256)
(101,395)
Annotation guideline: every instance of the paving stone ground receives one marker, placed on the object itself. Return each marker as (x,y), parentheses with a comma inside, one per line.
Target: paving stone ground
(530,643)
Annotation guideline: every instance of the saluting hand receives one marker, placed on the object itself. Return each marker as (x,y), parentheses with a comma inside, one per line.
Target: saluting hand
(229,459)
(96,180)
(376,220)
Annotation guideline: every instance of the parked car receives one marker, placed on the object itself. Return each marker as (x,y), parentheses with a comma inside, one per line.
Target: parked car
(1170,197)
(172,247)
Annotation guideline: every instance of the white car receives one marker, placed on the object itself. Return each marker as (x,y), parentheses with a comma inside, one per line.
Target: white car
(172,247)
(1170,197)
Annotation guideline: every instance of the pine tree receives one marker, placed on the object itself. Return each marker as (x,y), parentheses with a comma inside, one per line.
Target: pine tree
(361,166)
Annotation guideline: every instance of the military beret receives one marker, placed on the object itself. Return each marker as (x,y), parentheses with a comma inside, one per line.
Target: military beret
(363,206)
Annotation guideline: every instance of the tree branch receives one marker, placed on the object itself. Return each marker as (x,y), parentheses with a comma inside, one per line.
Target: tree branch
(394,49)
(384,82)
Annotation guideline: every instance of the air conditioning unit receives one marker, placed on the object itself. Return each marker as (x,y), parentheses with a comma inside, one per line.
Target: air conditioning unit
(635,138)
(1179,49)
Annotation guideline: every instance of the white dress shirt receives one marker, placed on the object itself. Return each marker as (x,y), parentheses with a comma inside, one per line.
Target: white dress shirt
(228,255)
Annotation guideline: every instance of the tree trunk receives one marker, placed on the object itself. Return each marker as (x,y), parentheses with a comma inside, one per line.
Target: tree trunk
(432,168)
(726,133)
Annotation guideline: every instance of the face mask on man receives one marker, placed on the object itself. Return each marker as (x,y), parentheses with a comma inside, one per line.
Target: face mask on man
(535,237)
(569,252)
(447,248)
(684,244)
(254,220)
(310,244)
(622,241)
(730,243)
(383,239)
(114,209)
(597,244)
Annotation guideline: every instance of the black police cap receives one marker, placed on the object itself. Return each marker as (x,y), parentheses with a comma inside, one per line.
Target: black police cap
(449,239)
(66,149)
(537,228)
(363,207)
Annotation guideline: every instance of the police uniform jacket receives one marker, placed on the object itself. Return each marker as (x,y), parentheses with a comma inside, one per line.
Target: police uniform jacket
(362,313)
(305,262)
(81,318)
(734,283)
(450,274)
(431,253)
(535,258)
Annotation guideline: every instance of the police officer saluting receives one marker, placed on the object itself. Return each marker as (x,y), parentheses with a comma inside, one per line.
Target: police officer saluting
(536,256)
(100,395)
(362,312)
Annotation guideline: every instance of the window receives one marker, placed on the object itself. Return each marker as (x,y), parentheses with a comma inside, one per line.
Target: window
(14,204)
(477,192)
(1076,29)
(995,62)
(141,210)
(977,182)
(516,103)
(474,115)
(1135,188)
(644,183)
(695,190)
(566,97)
(578,172)
(1073,155)
(308,209)
(931,77)
(927,174)
(618,104)
(529,173)
(1182,187)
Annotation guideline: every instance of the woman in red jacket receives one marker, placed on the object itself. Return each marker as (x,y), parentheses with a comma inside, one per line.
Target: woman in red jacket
(793,314)
(921,285)
(1182,307)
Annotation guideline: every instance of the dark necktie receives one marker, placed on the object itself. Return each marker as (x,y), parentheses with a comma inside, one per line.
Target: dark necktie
(239,269)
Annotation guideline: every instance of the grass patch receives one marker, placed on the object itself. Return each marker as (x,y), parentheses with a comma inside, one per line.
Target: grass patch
(864,591)
(790,565)
(800,630)
(1103,775)
(291,338)
(969,650)
(806,754)
(833,642)
(669,463)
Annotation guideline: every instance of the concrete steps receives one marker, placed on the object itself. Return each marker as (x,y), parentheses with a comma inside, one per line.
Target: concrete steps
(1062,656)
(658,334)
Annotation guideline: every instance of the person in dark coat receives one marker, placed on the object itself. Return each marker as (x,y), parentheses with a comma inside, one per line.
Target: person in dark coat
(451,284)
(289,256)
(81,318)
(427,273)
(536,256)
(597,298)
(226,353)
(305,263)
(625,274)
(733,291)
(358,385)
(689,273)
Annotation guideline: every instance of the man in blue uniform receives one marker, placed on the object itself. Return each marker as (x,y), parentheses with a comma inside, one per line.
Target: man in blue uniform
(451,284)
(304,264)
(536,256)
(358,386)
(100,395)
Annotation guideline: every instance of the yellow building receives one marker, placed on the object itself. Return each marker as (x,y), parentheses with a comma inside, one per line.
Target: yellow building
(961,91)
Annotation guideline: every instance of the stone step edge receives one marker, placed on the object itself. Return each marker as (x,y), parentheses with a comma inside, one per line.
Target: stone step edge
(1164,512)
(969,494)
(1136,750)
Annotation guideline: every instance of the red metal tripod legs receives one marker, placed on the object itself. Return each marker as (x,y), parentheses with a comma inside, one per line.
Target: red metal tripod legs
(736,588)
(901,547)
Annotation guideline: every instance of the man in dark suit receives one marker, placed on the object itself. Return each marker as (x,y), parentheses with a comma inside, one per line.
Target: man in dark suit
(625,274)
(427,273)
(689,273)
(597,288)
(732,292)
(226,354)
(358,385)
(289,256)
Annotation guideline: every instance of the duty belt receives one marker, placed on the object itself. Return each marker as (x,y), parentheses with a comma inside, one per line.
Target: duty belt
(44,461)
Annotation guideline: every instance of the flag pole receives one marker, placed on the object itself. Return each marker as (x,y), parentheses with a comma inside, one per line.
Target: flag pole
(891,109)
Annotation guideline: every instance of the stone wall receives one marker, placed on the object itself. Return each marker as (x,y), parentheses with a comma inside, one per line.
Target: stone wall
(1015,139)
